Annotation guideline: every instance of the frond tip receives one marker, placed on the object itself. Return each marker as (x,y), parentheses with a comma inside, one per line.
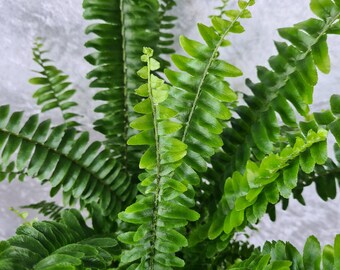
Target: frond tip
(48,209)
(55,91)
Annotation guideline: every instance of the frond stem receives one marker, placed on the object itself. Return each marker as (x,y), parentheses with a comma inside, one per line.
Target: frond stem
(158,172)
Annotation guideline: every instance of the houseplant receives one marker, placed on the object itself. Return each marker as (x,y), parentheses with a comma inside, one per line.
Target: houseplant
(184,165)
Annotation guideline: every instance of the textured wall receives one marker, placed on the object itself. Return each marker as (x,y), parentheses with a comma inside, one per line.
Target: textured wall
(62,24)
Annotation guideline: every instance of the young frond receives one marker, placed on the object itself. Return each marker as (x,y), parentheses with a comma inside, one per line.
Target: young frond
(162,209)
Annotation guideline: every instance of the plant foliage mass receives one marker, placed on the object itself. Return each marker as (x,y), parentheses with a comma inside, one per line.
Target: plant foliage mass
(187,162)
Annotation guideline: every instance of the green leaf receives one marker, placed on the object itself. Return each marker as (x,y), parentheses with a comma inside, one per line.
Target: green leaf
(143,73)
(322,8)
(312,254)
(38,81)
(320,55)
(154,65)
(148,160)
(209,35)
(337,252)
(169,260)
(168,127)
(260,138)
(176,211)
(143,123)
(324,118)
(328,258)
(319,152)
(194,48)
(307,162)
(335,104)
(143,138)
(143,90)
(144,107)
(297,37)
(290,175)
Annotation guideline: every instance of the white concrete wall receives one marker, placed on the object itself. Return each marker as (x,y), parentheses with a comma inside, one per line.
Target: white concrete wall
(61,22)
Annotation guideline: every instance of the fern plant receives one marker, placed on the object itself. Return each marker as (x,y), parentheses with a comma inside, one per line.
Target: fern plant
(187,164)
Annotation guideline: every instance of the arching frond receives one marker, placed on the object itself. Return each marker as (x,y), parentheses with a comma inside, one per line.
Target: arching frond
(161,209)
(324,176)
(284,91)
(68,244)
(55,91)
(246,196)
(65,158)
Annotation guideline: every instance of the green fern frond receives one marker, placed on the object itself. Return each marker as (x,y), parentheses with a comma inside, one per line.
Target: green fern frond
(292,79)
(48,209)
(63,157)
(280,255)
(284,91)
(54,91)
(67,244)
(125,26)
(246,196)
(201,93)
(162,208)
(324,176)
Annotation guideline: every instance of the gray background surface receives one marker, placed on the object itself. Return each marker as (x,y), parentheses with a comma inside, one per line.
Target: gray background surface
(61,23)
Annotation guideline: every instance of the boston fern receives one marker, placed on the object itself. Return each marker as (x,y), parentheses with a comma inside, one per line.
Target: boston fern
(187,163)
